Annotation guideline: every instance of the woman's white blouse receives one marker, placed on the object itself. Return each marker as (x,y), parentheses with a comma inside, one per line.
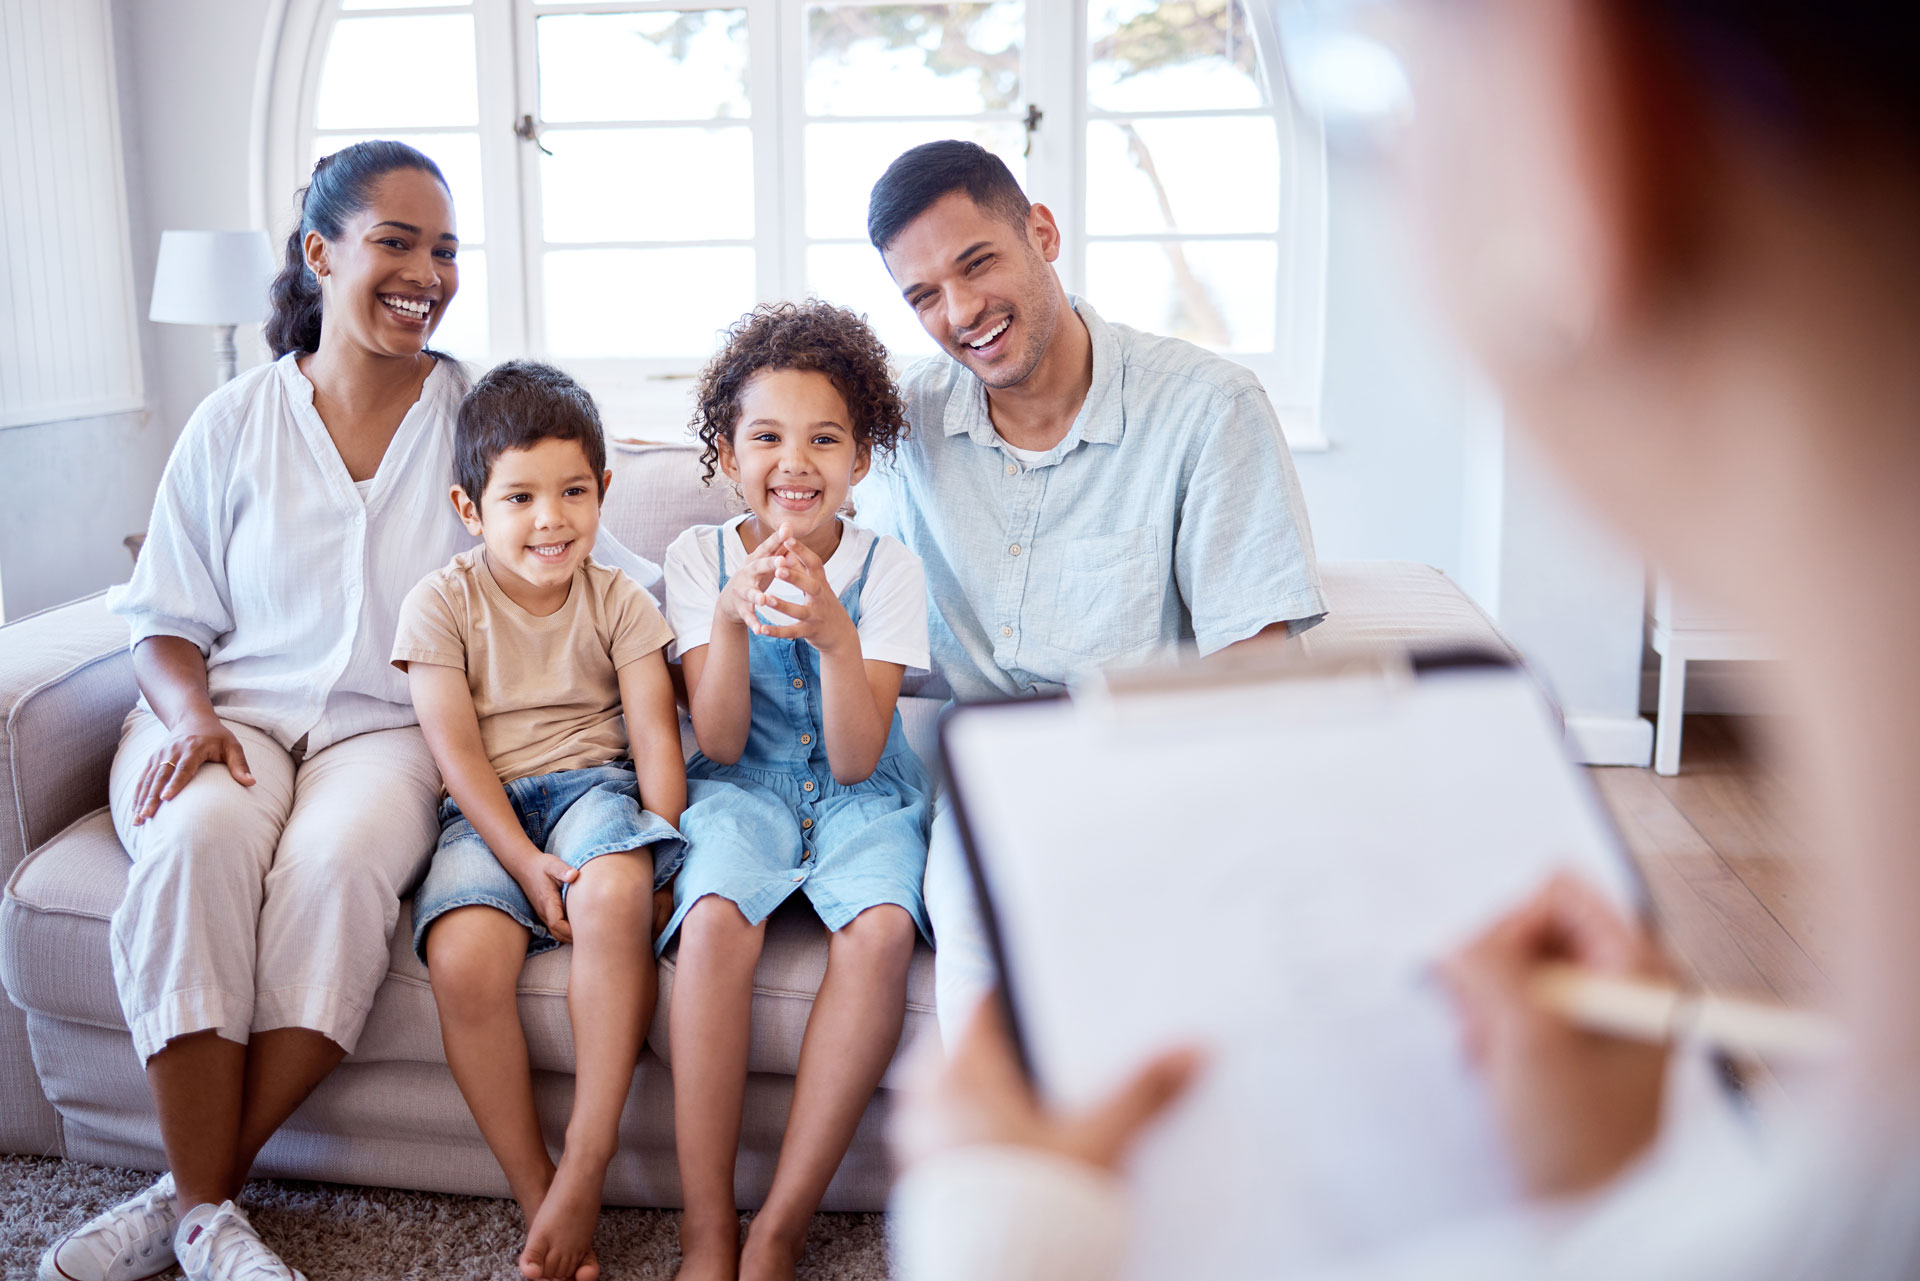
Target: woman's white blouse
(263,552)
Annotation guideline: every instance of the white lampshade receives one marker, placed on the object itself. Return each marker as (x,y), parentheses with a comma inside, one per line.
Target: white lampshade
(212,278)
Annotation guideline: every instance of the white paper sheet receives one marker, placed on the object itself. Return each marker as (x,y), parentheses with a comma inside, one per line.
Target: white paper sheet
(1271,871)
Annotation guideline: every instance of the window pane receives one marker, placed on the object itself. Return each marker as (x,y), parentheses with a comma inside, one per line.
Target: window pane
(400,4)
(853,276)
(457,154)
(1171,57)
(845,160)
(644,302)
(1193,174)
(389,73)
(463,331)
(873,59)
(647,184)
(1219,294)
(665,65)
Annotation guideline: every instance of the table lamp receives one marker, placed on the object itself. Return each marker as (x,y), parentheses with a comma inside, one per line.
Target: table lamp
(216,278)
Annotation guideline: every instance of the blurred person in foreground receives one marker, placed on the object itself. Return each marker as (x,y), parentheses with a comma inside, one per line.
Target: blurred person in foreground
(1680,235)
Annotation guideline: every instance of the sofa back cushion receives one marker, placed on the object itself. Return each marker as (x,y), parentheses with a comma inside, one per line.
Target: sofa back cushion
(656,493)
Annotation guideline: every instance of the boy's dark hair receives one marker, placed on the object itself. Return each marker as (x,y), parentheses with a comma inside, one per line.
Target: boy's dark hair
(919,177)
(518,404)
(341,186)
(810,335)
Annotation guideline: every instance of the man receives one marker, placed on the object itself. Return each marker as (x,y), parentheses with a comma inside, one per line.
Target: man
(1081,494)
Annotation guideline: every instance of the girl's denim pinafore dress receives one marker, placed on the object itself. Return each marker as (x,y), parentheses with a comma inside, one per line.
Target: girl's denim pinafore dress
(776,821)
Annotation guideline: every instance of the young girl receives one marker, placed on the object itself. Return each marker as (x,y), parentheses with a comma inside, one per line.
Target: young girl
(804,780)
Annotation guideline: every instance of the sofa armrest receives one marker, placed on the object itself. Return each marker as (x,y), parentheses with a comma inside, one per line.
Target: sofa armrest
(66,684)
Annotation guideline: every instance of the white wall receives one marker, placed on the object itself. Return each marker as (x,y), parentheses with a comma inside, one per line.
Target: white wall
(1423,468)
(71,491)
(187,125)
(1395,399)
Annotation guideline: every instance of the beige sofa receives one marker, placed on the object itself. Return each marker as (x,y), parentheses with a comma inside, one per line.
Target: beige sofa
(71,1085)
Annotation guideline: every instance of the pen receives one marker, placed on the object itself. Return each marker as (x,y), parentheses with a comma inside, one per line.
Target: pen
(1649,1011)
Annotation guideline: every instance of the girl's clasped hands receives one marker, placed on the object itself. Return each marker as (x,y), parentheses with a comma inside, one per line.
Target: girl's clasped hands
(818,617)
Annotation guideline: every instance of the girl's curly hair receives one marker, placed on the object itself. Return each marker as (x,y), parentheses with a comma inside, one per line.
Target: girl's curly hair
(810,335)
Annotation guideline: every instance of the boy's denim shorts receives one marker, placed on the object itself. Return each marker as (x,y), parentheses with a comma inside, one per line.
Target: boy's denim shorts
(576,815)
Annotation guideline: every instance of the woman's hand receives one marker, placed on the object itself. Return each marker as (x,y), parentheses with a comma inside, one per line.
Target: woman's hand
(540,876)
(746,589)
(822,621)
(196,739)
(1576,1106)
(980,1095)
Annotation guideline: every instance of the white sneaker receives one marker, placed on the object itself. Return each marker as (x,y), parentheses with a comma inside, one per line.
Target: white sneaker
(216,1243)
(130,1242)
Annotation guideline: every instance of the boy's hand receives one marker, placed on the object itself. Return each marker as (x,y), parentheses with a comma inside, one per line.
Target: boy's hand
(746,589)
(662,908)
(822,621)
(540,876)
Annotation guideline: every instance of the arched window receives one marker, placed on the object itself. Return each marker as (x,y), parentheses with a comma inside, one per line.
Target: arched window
(631,175)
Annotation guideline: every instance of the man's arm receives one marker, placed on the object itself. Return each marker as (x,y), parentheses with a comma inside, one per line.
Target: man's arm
(1243,551)
(1271,632)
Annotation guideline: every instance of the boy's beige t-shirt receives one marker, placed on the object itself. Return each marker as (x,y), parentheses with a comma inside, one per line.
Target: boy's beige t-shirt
(547,690)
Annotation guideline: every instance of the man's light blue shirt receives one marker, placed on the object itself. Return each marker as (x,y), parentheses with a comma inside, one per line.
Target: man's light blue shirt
(1169,513)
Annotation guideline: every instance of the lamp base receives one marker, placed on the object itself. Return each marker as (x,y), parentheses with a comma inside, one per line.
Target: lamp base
(226,358)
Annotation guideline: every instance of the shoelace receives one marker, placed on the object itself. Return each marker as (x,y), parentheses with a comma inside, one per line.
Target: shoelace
(227,1247)
(148,1218)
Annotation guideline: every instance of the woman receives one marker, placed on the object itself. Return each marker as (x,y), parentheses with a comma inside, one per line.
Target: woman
(272,787)
(1680,235)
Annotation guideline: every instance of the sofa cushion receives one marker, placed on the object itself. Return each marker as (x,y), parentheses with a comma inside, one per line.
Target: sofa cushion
(1392,604)
(53,955)
(656,493)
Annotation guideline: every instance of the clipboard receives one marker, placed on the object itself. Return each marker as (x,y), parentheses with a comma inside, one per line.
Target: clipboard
(1265,854)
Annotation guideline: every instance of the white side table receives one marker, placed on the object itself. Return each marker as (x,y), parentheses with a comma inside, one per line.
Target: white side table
(1680,633)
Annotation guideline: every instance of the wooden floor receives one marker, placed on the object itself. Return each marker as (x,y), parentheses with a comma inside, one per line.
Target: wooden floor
(1732,882)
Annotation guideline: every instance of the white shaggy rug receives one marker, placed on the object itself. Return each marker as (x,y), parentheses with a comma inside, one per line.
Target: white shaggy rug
(331,1231)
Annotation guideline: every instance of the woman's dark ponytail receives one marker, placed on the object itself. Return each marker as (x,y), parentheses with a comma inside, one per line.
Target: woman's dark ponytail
(295,296)
(341,187)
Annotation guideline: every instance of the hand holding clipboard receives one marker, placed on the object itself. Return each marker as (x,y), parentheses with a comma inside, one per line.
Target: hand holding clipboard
(1318,843)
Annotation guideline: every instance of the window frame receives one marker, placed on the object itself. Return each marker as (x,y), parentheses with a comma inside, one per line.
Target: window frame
(1053,75)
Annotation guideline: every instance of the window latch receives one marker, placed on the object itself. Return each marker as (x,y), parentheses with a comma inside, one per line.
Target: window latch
(527,133)
(1032,122)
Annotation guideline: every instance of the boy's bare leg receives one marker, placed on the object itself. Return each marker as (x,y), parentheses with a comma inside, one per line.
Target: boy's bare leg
(712,1020)
(851,1036)
(474,958)
(610,993)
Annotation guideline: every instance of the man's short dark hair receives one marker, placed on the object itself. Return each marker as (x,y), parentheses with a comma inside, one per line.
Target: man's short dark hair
(918,178)
(517,405)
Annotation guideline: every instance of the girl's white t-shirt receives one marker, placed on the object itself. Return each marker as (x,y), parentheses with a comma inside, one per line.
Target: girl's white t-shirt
(893,604)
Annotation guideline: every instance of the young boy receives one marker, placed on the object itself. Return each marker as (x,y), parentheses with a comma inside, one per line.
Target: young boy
(522,654)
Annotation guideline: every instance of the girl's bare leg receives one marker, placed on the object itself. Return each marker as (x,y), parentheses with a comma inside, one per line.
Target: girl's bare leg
(610,992)
(712,1019)
(474,958)
(851,1036)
